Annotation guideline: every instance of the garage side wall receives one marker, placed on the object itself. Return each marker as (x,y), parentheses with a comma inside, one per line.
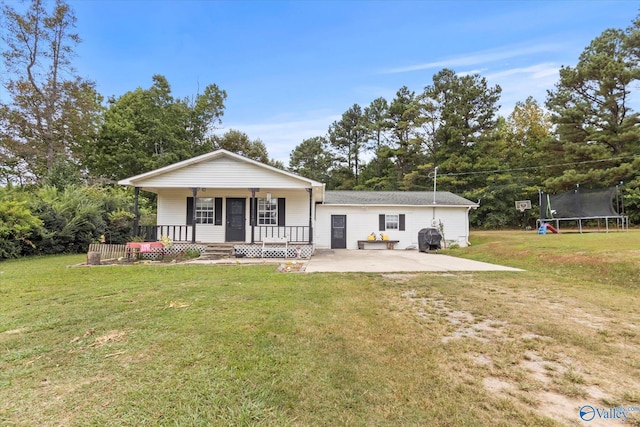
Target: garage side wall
(364,220)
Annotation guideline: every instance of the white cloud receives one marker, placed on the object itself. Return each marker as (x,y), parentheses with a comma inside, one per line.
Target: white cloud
(537,71)
(521,82)
(470,72)
(483,57)
(282,133)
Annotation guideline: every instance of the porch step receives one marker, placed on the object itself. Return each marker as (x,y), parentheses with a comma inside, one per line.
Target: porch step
(218,251)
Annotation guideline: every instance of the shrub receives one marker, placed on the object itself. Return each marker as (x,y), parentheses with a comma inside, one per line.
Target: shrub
(16,224)
(119,226)
(191,253)
(71,220)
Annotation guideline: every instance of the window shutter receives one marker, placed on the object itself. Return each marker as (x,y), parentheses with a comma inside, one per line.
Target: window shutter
(401,223)
(381,222)
(189,210)
(217,214)
(281,212)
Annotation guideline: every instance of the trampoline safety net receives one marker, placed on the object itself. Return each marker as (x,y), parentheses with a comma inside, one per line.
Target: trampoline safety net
(579,203)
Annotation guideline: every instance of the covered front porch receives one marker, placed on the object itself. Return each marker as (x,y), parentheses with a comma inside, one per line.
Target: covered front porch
(222,197)
(298,243)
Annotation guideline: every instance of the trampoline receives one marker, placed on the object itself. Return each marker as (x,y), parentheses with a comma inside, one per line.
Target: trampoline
(581,205)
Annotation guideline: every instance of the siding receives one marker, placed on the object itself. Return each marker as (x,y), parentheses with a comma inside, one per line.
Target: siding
(362,221)
(222,172)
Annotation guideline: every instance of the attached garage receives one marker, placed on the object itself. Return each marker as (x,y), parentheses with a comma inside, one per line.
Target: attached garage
(346,217)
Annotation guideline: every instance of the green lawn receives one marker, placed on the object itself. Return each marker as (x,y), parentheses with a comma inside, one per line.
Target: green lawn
(246,345)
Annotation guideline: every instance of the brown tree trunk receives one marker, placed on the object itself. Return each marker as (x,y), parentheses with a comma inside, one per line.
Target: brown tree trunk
(93,258)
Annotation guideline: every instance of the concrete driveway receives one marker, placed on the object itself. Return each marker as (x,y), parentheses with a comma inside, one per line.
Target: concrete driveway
(387,261)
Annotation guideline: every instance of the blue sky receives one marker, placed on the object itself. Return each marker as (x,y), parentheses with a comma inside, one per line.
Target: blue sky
(291,68)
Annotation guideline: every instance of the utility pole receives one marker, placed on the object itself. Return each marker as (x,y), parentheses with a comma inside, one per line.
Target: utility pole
(435,179)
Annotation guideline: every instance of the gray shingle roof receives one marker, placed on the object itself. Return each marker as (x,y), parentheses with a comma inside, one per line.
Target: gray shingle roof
(394,198)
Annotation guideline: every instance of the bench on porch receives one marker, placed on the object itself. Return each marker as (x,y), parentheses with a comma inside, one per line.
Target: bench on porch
(269,243)
(134,249)
(390,244)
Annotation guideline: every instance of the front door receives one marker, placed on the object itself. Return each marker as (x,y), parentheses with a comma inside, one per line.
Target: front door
(236,217)
(338,232)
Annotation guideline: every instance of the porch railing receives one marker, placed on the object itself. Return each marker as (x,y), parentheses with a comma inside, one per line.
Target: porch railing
(294,233)
(183,233)
(177,233)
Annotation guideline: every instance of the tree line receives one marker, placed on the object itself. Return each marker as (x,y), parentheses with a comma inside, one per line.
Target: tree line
(57,131)
(586,134)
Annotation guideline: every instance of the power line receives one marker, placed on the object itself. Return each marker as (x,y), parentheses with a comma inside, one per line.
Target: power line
(538,167)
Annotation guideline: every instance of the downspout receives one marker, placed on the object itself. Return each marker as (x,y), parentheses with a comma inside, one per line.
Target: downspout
(468,230)
(194,191)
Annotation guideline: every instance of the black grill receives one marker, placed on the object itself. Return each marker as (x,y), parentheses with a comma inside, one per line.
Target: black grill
(429,239)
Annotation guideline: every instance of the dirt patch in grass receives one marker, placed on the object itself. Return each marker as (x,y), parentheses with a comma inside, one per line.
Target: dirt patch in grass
(291,267)
(497,386)
(399,277)
(462,324)
(178,304)
(15,331)
(577,363)
(108,338)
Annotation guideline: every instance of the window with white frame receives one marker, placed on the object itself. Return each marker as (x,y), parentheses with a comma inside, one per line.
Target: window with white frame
(204,210)
(268,211)
(391,222)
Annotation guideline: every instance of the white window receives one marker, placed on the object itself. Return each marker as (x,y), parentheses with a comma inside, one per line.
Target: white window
(204,210)
(391,222)
(267,211)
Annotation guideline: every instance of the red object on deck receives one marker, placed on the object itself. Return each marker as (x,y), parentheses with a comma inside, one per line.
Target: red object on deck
(551,228)
(134,248)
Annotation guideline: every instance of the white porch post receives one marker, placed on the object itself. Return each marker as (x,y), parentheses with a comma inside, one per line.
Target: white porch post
(310,191)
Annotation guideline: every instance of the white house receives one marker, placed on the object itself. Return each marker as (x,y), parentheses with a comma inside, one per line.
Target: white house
(224,197)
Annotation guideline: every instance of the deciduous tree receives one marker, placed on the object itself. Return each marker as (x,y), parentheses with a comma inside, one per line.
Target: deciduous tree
(240,143)
(146,129)
(50,110)
(312,159)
